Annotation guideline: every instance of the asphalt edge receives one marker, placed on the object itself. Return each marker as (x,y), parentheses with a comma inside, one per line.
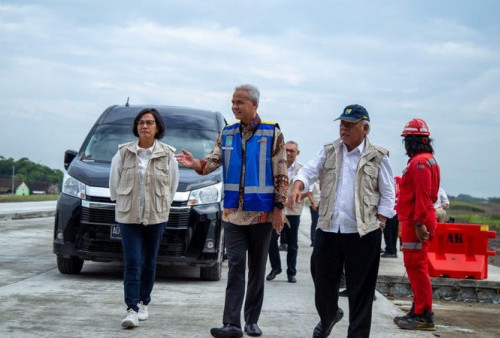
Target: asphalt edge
(26,215)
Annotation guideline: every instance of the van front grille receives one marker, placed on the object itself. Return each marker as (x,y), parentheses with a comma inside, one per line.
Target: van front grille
(178,218)
(94,215)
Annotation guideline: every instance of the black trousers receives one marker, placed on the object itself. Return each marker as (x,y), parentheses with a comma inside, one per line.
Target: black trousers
(361,257)
(314,222)
(291,239)
(391,235)
(241,239)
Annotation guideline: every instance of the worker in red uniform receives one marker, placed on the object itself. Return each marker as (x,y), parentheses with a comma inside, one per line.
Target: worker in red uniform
(418,192)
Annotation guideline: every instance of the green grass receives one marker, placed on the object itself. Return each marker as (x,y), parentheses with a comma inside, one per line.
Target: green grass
(29,198)
(475,213)
(492,221)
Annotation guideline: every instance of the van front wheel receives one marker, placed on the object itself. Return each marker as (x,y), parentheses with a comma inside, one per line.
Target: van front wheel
(212,273)
(69,265)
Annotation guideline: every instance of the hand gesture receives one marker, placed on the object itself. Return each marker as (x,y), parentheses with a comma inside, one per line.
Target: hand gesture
(278,220)
(294,197)
(422,233)
(186,159)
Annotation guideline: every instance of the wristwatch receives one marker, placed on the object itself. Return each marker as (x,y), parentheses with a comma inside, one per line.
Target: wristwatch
(381,224)
(279,205)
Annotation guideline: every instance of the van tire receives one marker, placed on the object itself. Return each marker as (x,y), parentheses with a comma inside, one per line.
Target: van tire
(211,273)
(69,265)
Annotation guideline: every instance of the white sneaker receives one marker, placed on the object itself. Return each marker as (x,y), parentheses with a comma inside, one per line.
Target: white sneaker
(143,313)
(131,320)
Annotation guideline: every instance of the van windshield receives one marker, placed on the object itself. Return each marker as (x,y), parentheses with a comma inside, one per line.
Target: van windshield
(103,144)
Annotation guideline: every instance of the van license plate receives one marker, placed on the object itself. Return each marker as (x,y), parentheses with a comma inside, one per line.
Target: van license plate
(115,232)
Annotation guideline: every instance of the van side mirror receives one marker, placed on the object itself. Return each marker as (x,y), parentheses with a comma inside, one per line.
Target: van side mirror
(69,156)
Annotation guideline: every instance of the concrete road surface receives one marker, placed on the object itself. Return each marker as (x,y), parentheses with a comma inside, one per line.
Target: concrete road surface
(22,210)
(38,301)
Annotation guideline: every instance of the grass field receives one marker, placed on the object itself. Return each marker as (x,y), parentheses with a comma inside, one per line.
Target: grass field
(475,212)
(29,198)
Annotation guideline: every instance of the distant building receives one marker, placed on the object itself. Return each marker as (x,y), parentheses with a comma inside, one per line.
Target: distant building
(42,188)
(37,188)
(22,190)
(6,185)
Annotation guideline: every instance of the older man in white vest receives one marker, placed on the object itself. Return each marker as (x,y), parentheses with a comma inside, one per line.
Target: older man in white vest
(357,196)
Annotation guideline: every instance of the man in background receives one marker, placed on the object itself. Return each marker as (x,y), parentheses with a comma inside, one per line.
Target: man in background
(291,231)
(313,196)
(441,205)
(392,229)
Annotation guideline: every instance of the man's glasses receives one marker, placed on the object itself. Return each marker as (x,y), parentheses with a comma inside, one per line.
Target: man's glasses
(148,123)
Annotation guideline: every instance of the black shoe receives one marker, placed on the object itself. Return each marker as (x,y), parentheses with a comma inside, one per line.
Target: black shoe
(389,255)
(343,293)
(409,315)
(272,275)
(323,332)
(227,331)
(292,279)
(423,322)
(253,330)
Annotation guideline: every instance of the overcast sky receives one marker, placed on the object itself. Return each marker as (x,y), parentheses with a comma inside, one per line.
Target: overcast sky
(63,62)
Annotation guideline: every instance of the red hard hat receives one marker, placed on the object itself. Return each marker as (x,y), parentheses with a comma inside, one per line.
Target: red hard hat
(416,127)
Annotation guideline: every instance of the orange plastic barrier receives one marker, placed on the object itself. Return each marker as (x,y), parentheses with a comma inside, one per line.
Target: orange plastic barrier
(460,251)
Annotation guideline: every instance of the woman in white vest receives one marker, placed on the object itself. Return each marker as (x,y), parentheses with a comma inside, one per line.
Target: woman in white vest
(143,180)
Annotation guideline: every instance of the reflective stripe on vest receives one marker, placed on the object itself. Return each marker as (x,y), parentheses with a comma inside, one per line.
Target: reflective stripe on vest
(411,246)
(259,182)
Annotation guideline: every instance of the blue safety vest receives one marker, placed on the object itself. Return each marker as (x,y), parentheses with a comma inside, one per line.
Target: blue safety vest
(258,181)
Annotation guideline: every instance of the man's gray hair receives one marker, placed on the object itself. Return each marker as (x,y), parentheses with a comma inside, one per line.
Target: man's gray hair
(368,124)
(294,143)
(253,92)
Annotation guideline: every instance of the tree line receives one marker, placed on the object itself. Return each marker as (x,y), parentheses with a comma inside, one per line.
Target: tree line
(28,171)
(31,172)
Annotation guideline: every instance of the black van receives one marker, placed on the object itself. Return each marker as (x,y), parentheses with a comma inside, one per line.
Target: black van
(85,227)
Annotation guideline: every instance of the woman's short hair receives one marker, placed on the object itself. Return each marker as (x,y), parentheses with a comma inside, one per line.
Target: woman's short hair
(160,125)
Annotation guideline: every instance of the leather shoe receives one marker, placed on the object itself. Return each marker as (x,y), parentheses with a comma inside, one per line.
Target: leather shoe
(253,330)
(272,275)
(227,331)
(323,332)
(389,255)
(292,279)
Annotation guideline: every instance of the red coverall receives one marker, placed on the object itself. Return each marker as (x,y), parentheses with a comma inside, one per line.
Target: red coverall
(418,192)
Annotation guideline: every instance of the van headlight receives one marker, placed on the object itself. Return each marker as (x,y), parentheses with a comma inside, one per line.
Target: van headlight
(210,194)
(73,187)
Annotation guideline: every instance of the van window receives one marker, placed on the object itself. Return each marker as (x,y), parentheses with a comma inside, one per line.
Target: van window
(103,144)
